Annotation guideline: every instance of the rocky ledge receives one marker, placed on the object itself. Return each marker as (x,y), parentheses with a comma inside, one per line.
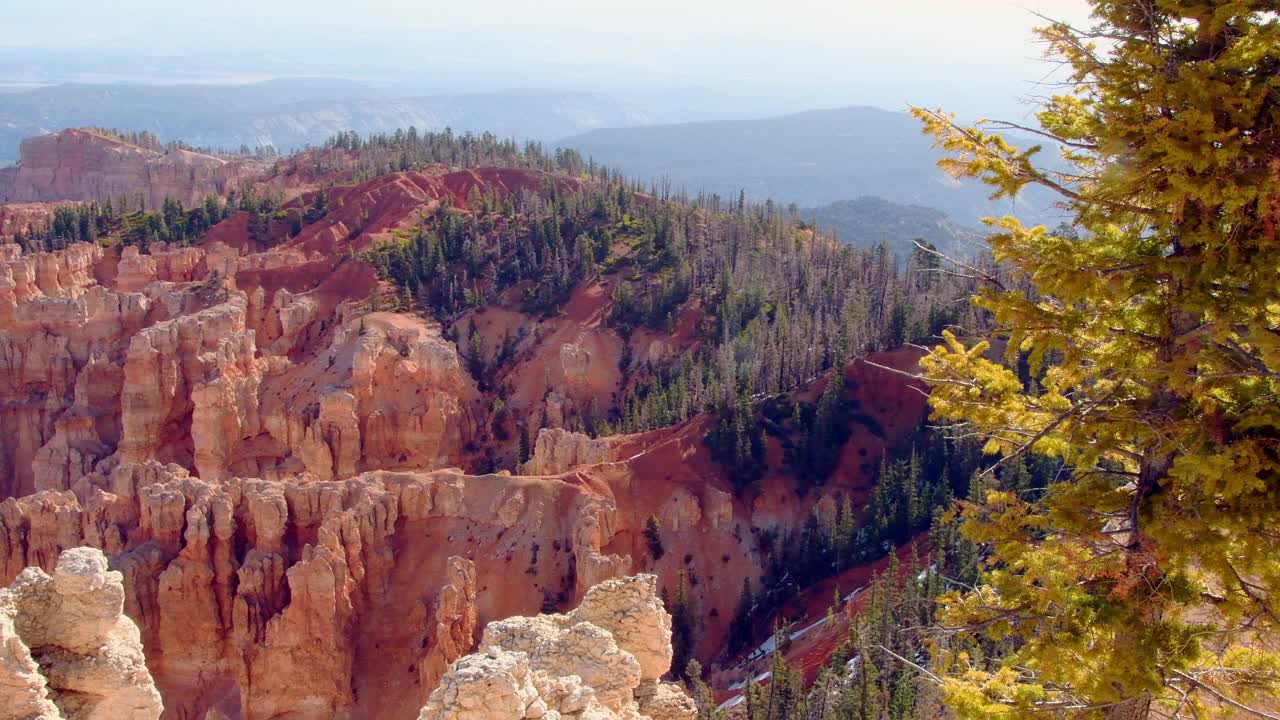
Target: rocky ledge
(600,662)
(66,648)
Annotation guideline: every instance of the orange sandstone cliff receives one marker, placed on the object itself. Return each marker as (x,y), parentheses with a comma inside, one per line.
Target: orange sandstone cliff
(86,165)
(278,471)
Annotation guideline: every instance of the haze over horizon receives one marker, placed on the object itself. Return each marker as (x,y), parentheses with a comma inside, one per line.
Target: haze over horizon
(679,360)
(717,57)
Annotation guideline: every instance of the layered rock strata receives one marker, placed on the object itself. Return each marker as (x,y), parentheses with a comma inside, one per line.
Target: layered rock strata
(85,165)
(199,357)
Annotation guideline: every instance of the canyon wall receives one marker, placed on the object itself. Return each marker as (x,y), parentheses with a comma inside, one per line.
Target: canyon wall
(199,356)
(272,469)
(273,466)
(68,652)
(85,165)
(373,584)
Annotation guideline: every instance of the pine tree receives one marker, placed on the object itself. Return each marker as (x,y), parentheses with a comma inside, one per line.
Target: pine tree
(898,319)
(703,698)
(1161,318)
(683,622)
(829,432)
(475,352)
(903,701)
(861,699)
(524,450)
(784,697)
(740,628)
(653,537)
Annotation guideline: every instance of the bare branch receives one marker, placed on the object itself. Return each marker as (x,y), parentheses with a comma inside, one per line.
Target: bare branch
(979,273)
(1214,692)
(934,678)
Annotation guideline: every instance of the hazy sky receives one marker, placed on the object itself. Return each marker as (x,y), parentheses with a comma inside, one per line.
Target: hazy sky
(966,54)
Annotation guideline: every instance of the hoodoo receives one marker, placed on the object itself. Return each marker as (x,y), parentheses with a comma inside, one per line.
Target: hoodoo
(67,650)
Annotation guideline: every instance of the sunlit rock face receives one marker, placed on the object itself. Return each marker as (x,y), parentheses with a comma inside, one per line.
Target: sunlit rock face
(67,650)
(286,480)
(600,661)
(85,165)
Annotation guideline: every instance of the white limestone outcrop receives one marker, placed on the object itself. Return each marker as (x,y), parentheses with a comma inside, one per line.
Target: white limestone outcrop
(66,648)
(600,662)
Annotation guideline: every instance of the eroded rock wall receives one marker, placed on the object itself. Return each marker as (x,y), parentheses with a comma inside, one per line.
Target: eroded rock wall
(557,451)
(84,165)
(112,356)
(357,581)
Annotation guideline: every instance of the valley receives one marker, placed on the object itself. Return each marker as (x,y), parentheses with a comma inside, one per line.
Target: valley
(578,361)
(284,436)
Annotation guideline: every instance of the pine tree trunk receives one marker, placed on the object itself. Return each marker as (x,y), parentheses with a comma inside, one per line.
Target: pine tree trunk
(1138,708)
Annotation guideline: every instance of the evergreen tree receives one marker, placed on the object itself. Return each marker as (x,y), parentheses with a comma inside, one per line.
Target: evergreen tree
(783,698)
(741,629)
(1162,313)
(703,698)
(844,534)
(653,537)
(683,623)
(525,452)
(819,452)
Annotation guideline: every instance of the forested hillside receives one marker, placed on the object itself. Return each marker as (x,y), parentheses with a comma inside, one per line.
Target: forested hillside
(776,302)
(870,220)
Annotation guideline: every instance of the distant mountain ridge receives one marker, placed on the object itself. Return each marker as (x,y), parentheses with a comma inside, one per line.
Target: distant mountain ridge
(810,158)
(869,220)
(291,113)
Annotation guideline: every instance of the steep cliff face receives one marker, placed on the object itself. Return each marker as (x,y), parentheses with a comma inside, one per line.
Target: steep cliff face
(558,450)
(66,648)
(376,582)
(84,165)
(68,651)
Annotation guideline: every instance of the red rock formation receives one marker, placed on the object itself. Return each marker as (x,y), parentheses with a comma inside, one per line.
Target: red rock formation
(269,464)
(557,451)
(360,212)
(19,217)
(374,582)
(163,362)
(456,622)
(85,165)
(317,582)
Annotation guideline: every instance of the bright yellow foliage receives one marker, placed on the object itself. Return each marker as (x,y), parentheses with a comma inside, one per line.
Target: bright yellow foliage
(1146,583)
